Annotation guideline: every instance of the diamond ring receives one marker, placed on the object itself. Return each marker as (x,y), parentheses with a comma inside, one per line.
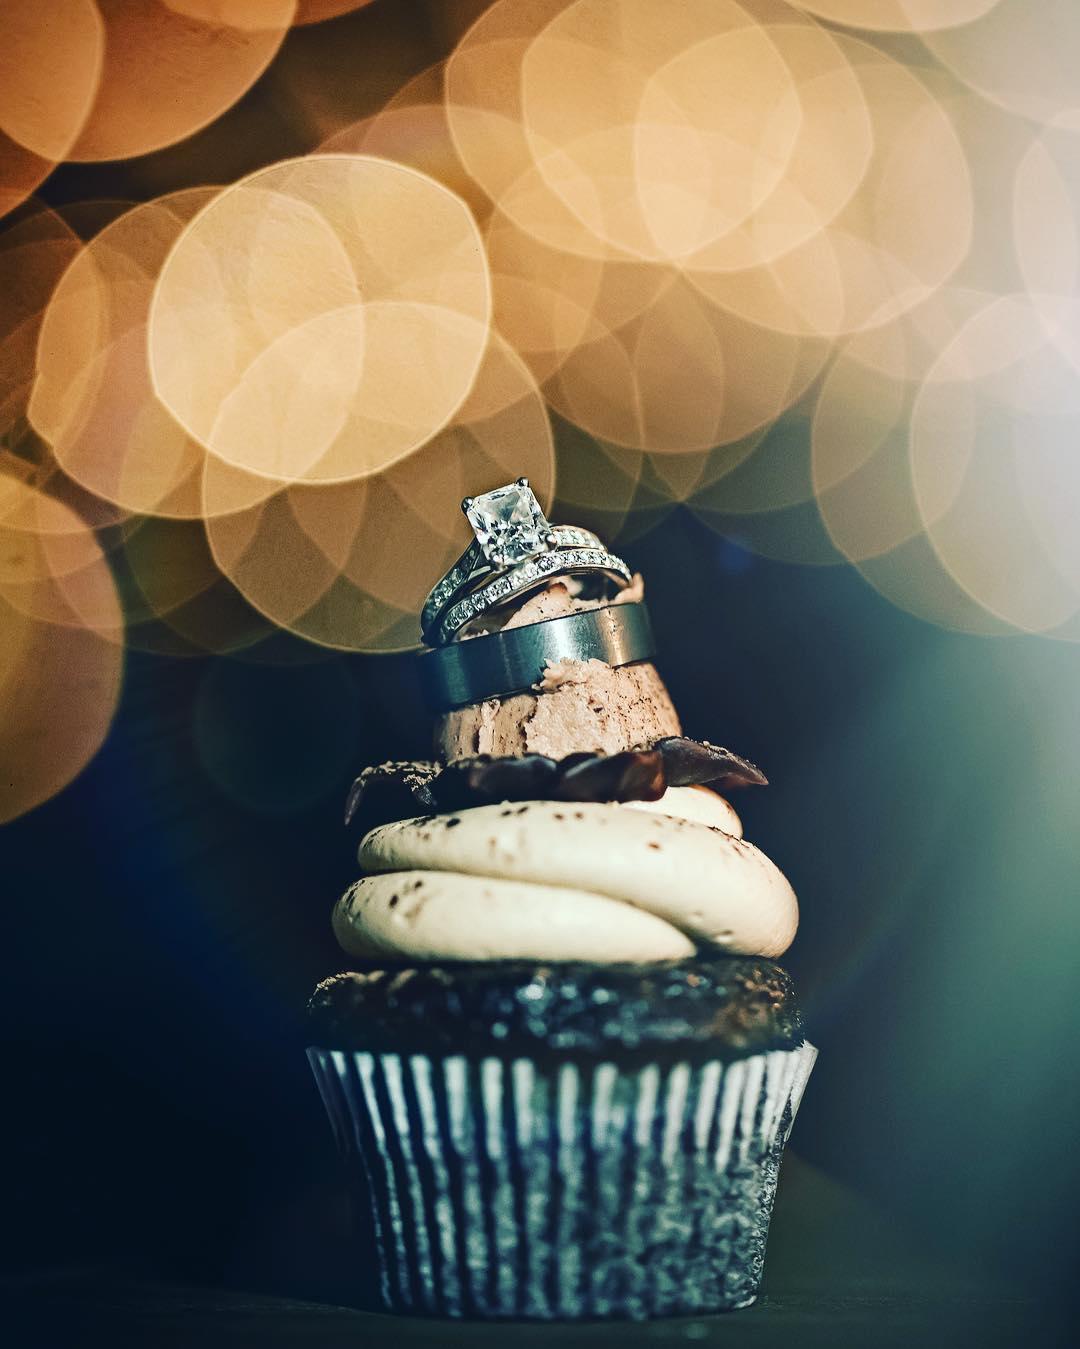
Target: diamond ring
(510,531)
(523,579)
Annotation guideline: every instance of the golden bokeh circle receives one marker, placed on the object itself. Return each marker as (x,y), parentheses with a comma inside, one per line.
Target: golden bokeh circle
(348,565)
(35,251)
(900,16)
(660,128)
(51,62)
(993,461)
(322,318)
(93,400)
(1021,54)
(52,723)
(166,74)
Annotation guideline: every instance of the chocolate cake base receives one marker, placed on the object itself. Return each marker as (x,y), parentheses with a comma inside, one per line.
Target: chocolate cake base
(494,1188)
(561,1142)
(708,1006)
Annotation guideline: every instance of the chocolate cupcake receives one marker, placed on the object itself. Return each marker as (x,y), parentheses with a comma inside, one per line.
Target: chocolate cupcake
(564,1067)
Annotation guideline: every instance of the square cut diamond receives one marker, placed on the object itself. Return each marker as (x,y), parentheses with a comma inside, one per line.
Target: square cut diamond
(509,525)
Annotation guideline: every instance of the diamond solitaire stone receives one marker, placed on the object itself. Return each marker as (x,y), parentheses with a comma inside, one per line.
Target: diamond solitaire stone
(509,524)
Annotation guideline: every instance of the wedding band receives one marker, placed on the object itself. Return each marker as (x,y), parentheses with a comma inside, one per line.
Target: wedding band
(471,567)
(501,663)
(522,580)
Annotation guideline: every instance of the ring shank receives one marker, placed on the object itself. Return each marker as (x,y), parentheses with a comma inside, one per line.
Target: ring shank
(515,660)
(524,580)
(471,572)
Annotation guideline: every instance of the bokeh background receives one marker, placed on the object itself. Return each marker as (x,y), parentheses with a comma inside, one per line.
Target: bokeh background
(782,299)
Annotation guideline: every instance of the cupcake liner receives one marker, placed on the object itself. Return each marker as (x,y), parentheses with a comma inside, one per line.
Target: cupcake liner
(516,1188)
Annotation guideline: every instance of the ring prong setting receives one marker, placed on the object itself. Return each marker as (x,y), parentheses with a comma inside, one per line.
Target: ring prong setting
(466,502)
(508,524)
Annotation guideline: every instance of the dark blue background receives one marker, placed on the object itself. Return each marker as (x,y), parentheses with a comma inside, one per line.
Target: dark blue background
(162,935)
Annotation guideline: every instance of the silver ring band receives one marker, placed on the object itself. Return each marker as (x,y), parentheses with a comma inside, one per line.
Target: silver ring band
(470,567)
(524,578)
(512,661)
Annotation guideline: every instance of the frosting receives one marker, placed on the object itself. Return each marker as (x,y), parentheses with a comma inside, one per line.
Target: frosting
(445,915)
(695,803)
(556,880)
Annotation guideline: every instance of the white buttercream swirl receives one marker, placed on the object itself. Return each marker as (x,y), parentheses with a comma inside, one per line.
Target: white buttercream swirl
(552,880)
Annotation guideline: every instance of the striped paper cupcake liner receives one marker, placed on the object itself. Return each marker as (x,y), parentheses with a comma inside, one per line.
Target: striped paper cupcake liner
(508,1188)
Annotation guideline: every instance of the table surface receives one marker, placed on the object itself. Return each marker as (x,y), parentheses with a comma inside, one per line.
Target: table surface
(91,1307)
(838,1274)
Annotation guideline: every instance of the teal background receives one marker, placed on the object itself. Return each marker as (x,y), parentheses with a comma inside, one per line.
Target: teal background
(167,916)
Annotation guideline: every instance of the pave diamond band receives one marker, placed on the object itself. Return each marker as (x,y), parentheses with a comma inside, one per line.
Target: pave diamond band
(471,568)
(515,550)
(522,579)
(502,663)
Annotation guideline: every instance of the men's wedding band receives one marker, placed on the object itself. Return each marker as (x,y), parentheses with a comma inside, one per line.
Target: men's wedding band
(500,663)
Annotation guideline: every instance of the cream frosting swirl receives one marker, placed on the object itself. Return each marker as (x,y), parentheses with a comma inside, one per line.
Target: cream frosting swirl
(553,880)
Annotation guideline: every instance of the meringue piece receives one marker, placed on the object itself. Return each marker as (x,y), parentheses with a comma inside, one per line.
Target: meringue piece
(578,705)
(595,707)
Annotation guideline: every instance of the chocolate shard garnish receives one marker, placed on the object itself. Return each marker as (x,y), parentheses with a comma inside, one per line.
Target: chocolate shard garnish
(398,791)
(391,791)
(633,775)
(696,763)
(473,782)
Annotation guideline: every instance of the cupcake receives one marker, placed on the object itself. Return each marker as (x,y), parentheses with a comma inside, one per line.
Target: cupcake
(563,1065)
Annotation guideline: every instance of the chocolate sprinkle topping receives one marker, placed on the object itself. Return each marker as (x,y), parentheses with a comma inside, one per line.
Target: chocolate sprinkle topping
(400,790)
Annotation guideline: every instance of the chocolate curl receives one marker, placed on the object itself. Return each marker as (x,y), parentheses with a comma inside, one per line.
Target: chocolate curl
(398,791)
(696,763)
(473,782)
(633,775)
(391,791)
